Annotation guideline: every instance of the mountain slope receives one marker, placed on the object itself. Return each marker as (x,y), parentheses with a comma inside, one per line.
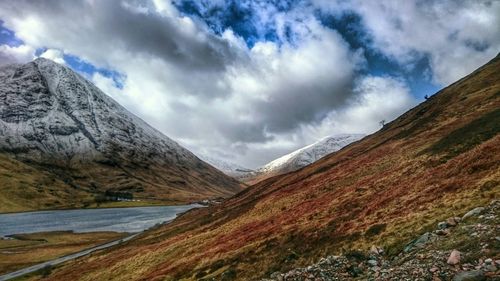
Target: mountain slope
(56,121)
(440,159)
(229,168)
(301,157)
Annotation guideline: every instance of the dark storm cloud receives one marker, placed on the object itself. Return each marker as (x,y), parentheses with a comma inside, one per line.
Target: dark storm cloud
(137,30)
(246,132)
(303,103)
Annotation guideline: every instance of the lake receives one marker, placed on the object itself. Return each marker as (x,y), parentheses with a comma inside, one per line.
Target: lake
(131,220)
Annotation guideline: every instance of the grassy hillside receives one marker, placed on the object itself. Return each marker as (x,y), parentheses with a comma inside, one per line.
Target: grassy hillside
(30,187)
(439,159)
(28,249)
(24,188)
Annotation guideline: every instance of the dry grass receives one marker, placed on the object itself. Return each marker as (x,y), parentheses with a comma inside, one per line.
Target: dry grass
(24,188)
(31,187)
(28,249)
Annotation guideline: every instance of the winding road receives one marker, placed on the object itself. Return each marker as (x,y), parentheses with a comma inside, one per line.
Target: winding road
(60,260)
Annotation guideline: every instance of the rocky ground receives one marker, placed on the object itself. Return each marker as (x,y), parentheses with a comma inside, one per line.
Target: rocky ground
(459,249)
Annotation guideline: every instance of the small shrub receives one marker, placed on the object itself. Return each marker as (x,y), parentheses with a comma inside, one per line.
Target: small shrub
(217,265)
(46,271)
(292,256)
(200,274)
(356,255)
(489,185)
(229,274)
(375,229)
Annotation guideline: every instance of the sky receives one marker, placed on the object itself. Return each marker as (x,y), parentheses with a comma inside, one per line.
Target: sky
(250,81)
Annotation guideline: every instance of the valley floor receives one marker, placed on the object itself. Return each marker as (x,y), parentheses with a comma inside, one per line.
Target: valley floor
(23,250)
(459,249)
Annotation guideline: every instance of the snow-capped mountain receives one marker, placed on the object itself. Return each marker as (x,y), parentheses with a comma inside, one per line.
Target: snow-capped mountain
(56,119)
(229,168)
(303,156)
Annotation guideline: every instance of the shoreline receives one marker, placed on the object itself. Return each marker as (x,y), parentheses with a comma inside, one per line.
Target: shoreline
(95,208)
(60,260)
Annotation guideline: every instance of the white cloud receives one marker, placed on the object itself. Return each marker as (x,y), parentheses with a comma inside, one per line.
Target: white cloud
(379,98)
(55,55)
(212,93)
(16,54)
(457,36)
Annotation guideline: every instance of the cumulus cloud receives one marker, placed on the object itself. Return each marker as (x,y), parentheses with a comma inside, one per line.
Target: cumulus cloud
(379,98)
(55,55)
(456,36)
(16,54)
(203,89)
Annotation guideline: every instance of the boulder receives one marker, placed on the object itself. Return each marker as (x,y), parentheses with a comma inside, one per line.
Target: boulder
(376,250)
(442,225)
(454,258)
(451,222)
(474,212)
(476,275)
(442,232)
(419,242)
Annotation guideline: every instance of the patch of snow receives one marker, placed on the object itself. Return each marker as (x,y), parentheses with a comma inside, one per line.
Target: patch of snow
(308,154)
(227,167)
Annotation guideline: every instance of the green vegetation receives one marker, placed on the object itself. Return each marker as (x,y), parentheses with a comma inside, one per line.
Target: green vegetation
(375,229)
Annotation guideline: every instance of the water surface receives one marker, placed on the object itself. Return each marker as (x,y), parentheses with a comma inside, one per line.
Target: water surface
(132,220)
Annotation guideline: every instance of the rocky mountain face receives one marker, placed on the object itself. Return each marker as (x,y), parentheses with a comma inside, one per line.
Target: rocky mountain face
(437,161)
(56,120)
(301,157)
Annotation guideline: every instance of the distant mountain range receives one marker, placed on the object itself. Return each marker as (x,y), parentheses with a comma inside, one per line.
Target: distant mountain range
(287,163)
(78,142)
(305,156)
(229,168)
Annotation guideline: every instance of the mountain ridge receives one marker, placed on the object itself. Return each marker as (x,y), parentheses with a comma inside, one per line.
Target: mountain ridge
(229,168)
(300,158)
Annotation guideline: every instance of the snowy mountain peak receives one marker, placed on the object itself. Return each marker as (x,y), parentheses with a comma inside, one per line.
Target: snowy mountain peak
(310,154)
(52,116)
(302,157)
(227,167)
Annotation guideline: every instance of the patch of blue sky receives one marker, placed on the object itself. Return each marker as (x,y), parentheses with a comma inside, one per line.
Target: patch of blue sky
(89,69)
(416,75)
(8,37)
(238,16)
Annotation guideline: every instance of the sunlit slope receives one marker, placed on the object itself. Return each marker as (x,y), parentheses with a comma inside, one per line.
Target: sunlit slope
(438,159)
